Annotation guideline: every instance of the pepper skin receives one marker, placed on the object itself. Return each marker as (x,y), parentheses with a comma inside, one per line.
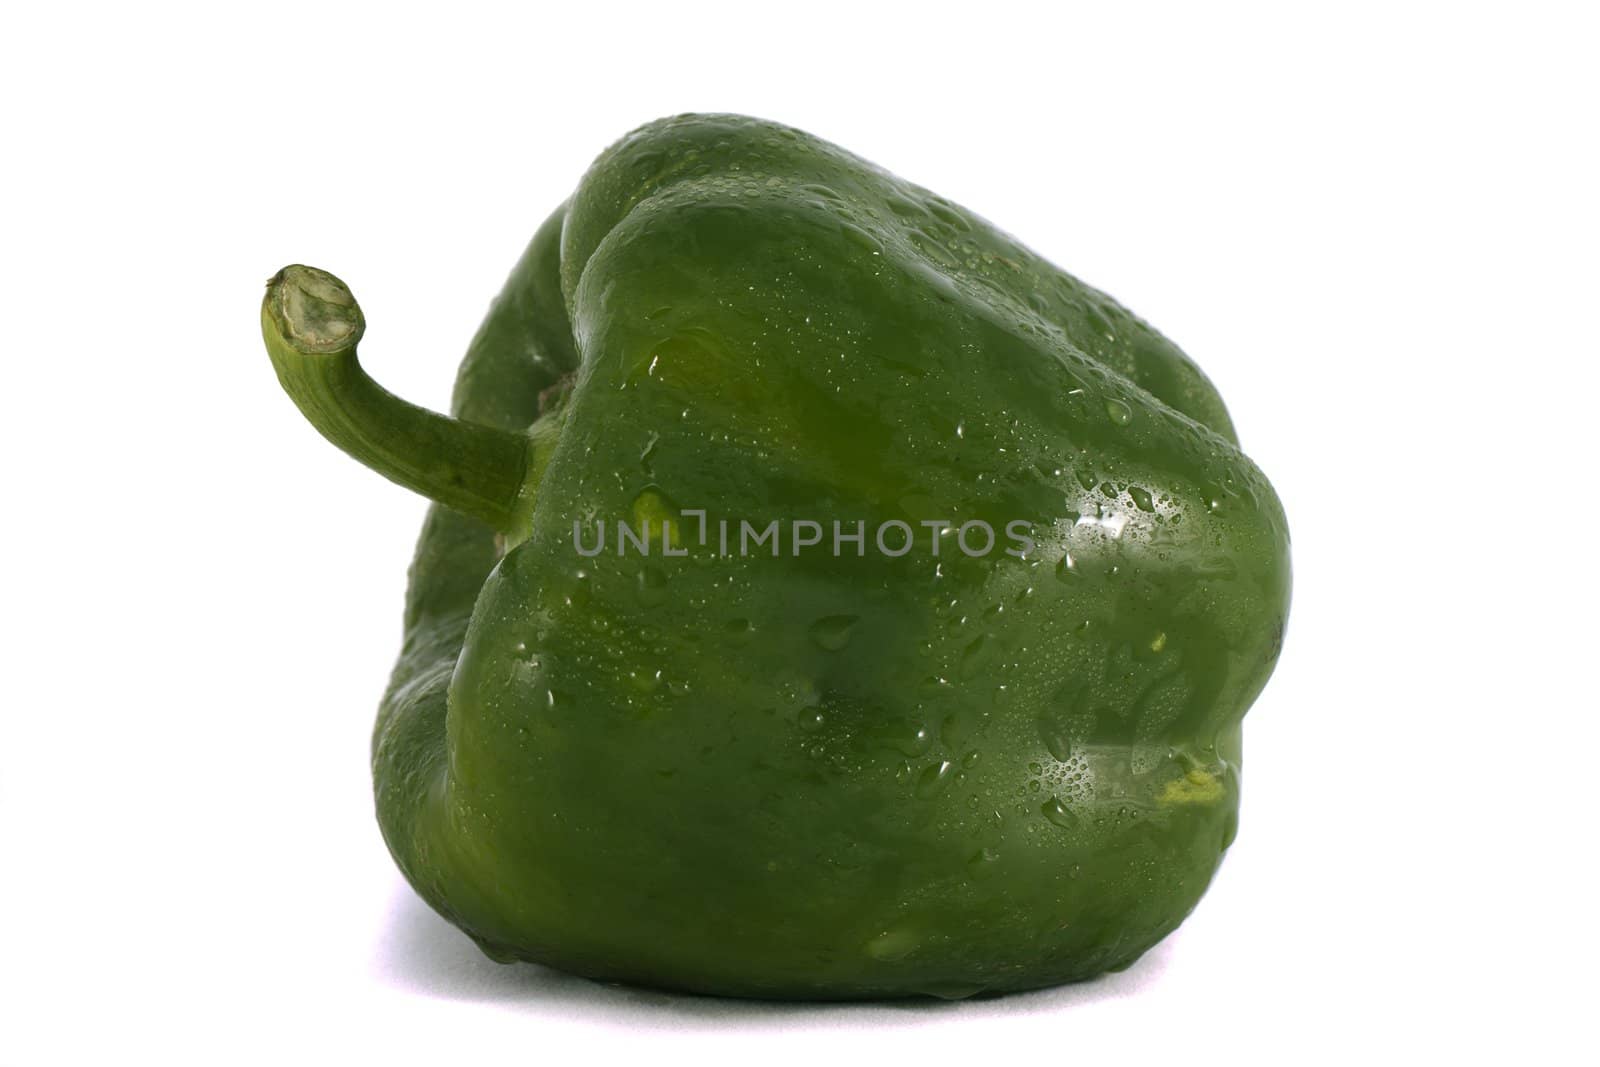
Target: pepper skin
(807,775)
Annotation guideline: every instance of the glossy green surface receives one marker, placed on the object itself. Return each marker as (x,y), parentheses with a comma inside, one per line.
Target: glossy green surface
(812,775)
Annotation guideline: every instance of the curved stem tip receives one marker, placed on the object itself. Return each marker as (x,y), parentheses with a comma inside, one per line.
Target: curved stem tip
(312,324)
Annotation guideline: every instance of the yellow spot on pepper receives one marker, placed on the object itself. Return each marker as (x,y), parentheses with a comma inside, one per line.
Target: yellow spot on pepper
(1195,787)
(654,512)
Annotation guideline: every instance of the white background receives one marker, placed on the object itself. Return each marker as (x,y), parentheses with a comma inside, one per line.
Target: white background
(1375,227)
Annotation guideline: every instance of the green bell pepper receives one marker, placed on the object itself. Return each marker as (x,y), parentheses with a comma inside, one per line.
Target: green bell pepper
(825,597)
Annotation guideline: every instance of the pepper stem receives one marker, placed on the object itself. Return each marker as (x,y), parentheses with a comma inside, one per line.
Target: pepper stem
(311,324)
